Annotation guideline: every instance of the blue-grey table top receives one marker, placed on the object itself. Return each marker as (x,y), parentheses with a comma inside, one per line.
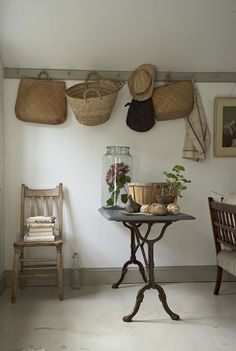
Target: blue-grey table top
(119,215)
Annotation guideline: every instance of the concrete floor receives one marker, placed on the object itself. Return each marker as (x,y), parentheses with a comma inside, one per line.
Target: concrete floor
(91,319)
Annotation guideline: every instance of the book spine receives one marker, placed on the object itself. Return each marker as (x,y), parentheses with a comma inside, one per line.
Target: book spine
(40,221)
(40,238)
(41,218)
(40,225)
(41,230)
(49,233)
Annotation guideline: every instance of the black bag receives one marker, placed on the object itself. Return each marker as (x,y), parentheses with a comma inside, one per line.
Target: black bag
(140,115)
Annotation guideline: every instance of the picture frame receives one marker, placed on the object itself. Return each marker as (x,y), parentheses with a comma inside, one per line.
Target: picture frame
(224,127)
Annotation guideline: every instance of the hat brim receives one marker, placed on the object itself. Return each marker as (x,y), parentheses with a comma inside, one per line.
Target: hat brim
(147,93)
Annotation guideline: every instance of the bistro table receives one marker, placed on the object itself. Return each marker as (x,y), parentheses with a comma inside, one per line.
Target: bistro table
(134,222)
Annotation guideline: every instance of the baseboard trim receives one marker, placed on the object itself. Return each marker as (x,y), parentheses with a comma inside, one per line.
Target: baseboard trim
(2,282)
(98,276)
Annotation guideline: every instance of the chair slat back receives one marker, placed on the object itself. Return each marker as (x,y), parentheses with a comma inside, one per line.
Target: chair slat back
(50,206)
(223,220)
(42,202)
(33,206)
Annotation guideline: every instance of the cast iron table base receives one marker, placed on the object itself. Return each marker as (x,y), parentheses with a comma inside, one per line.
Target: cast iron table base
(134,245)
(138,240)
(150,281)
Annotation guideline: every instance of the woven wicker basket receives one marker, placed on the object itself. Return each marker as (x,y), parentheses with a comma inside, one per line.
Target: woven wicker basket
(145,193)
(92,102)
(172,101)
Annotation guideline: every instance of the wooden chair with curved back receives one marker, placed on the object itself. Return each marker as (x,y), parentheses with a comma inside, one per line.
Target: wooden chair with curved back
(39,202)
(223,220)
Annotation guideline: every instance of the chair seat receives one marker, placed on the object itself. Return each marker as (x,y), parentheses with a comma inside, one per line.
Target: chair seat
(227,260)
(25,243)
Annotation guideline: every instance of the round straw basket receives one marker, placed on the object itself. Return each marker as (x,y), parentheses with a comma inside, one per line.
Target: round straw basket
(92,102)
(145,193)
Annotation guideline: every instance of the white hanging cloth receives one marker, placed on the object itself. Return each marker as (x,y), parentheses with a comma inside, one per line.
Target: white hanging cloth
(197,137)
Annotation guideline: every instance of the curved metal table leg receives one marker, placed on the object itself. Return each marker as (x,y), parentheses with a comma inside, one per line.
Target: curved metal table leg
(162,298)
(151,278)
(139,300)
(123,273)
(141,270)
(132,260)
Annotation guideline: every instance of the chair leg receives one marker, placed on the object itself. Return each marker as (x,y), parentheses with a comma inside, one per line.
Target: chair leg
(15,274)
(60,272)
(21,267)
(218,280)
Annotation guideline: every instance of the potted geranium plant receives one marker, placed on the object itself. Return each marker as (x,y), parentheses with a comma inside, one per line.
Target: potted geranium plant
(175,184)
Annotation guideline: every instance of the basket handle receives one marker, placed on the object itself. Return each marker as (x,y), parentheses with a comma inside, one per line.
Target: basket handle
(95,76)
(43,73)
(89,90)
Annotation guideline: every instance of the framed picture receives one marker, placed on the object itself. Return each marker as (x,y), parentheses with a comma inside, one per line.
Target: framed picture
(225,126)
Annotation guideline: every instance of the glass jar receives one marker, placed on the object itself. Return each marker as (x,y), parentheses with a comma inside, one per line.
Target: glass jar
(75,271)
(116,174)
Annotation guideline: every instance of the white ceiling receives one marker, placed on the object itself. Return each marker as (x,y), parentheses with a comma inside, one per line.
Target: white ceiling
(174,35)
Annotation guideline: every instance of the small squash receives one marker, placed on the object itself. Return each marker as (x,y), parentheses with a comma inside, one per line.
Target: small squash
(144,208)
(158,209)
(173,209)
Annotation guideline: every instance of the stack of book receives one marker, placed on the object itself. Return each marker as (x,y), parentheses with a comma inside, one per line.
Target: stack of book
(40,228)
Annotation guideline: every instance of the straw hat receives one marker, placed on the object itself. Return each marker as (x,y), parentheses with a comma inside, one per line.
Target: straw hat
(141,82)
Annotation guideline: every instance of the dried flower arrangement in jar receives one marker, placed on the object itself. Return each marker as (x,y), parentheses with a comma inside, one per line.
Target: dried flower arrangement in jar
(117,178)
(117,166)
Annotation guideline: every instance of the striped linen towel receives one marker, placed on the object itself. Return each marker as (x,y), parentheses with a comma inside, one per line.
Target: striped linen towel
(197,137)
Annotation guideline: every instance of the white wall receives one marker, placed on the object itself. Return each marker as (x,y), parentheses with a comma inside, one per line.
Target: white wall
(43,155)
(183,35)
(1,173)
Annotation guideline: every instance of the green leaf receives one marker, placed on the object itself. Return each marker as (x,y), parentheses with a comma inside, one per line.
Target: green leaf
(110,202)
(121,182)
(128,179)
(178,168)
(124,198)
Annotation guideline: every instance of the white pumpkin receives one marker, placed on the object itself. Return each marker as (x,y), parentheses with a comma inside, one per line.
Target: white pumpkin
(144,208)
(173,209)
(158,209)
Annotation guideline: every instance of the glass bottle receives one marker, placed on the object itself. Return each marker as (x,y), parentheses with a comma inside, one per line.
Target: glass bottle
(116,174)
(75,271)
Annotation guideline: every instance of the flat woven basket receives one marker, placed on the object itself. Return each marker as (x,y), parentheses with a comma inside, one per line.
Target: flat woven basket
(92,102)
(173,100)
(41,100)
(145,193)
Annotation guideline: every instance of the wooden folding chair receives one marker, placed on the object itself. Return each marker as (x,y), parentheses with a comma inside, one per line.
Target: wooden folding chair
(223,220)
(39,202)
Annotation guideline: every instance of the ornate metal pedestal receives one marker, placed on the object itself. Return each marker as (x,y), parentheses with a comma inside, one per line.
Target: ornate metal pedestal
(138,240)
(134,245)
(150,283)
